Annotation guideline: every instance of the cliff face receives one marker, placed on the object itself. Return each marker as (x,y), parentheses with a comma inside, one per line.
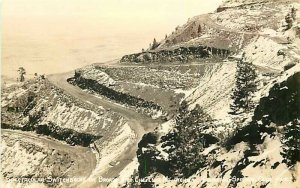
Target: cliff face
(179,55)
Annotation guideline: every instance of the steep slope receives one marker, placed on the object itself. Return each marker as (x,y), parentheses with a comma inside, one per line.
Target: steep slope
(52,128)
(233,26)
(226,133)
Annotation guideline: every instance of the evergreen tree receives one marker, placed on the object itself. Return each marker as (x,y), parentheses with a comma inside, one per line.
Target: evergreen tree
(199,29)
(291,143)
(182,113)
(22,72)
(245,87)
(289,20)
(155,44)
(294,13)
(187,141)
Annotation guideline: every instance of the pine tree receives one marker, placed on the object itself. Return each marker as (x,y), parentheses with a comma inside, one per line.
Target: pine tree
(294,13)
(291,143)
(22,72)
(289,20)
(199,29)
(245,87)
(155,44)
(187,141)
(182,113)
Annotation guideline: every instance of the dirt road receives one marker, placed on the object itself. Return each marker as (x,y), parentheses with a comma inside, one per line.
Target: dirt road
(139,123)
(83,157)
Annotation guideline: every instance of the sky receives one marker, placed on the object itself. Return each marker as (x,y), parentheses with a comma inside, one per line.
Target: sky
(49,36)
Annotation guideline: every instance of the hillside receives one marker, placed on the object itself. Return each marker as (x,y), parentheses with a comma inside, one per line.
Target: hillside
(234,145)
(230,29)
(214,104)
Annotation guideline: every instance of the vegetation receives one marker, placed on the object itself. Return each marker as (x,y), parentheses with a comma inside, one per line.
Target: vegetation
(155,44)
(184,146)
(294,13)
(245,87)
(21,72)
(290,18)
(187,141)
(291,143)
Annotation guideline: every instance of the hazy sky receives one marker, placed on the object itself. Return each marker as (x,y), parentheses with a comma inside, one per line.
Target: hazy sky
(85,31)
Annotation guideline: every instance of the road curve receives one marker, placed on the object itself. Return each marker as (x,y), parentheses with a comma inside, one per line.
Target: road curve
(139,123)
(84,158)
